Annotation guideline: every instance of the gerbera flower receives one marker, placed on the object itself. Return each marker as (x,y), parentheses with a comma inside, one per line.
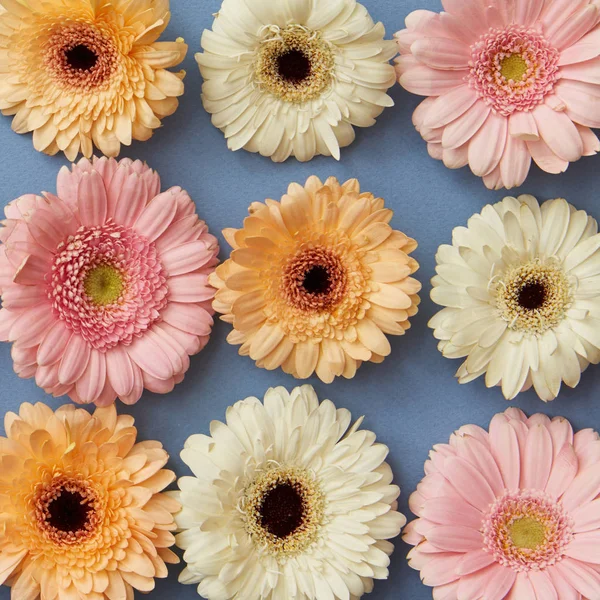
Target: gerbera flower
(511,513)
(80,73)
(521,287)
(315,281)
(81,511)
(292,78)
(505,82)
(104,288)
(286,502)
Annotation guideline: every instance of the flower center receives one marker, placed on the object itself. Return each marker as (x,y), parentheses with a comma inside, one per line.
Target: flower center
(314,280)
(81,57)
(107,284)
(103,284)
(513,69)
(527,533)
(68,510)
(294,64)
(283,510)
(533,297)
(527,530)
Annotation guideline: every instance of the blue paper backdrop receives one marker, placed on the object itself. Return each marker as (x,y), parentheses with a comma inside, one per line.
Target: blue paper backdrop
(412,400)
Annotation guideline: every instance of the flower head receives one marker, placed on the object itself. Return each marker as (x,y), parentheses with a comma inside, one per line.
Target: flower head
(520,290)
(105,286)
(315,281)
(506,82)
(80,73)
(81,512)
(509,514)
(286,502)
(293,79)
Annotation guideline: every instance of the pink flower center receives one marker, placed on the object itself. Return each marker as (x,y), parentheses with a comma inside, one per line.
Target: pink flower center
(107,284)
(527,530)
(513,69)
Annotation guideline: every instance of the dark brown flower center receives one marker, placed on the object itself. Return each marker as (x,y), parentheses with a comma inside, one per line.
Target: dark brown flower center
(532,295)
(81,58)
(69,512)
(316,280)
(293,66)
(282,510)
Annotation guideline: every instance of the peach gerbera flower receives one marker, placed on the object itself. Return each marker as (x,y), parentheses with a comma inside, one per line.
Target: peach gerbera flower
(506,82)
(80,73)
(105,286)
(315,281)
(81,513)
(510,514)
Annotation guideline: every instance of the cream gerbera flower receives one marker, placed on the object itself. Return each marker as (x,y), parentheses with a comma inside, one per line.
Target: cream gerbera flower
(521,287)
(80,73)
(286,503)
(292,78)
(315,281)
(81,513)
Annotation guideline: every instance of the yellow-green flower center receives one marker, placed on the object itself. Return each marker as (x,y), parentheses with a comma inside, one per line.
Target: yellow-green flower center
(513,67)
(104,285)
(527,533)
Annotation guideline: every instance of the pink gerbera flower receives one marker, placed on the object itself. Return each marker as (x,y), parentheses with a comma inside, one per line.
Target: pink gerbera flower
(507,81)
(104,288)
(513,513)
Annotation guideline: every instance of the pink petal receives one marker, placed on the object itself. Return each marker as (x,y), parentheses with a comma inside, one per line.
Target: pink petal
(180,232)
(188,317)
(440,569)
(150,357)
(505,449)
(74,360)
(587,517)
(33,270)
(588,71)
(92,201)
(189,342)
(456,158)
(575,27)
(537,462)
(130,195)
(528,11)
(91,383)
(424,81)
(158,386)
(474,561)
(120,371)
(585,487)
(487,146)
(469,483)
(584,547)
(559,132)
(18,297)
(543,586)
(54,343)
(563,471)
(499,584)
(591,143)
(545,159)
(7,320)
(557,13)
(192,287)
(173,353)
(561,432)
(187,257)
(465,127)
(448,511)
(470,13)
(522,125)
(442,53)
(66,186)
(157,216)
(522,589)
(583,578)
(582,101)
(137,389)
(515,163)
(106,397)
(31,326)
(586,48)
(472,587)
(479,455)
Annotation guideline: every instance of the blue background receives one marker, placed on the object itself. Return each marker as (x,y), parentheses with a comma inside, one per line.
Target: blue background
(412,400)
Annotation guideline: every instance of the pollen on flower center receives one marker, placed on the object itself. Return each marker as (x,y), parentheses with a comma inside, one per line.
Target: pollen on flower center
(527,530)
(513,67)
(284,509)
(68,510)
(294,64)
(103,284)
(533,297)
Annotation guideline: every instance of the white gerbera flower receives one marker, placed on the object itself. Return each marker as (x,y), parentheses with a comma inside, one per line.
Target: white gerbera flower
(291,78)
(286,503)
(521,287)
